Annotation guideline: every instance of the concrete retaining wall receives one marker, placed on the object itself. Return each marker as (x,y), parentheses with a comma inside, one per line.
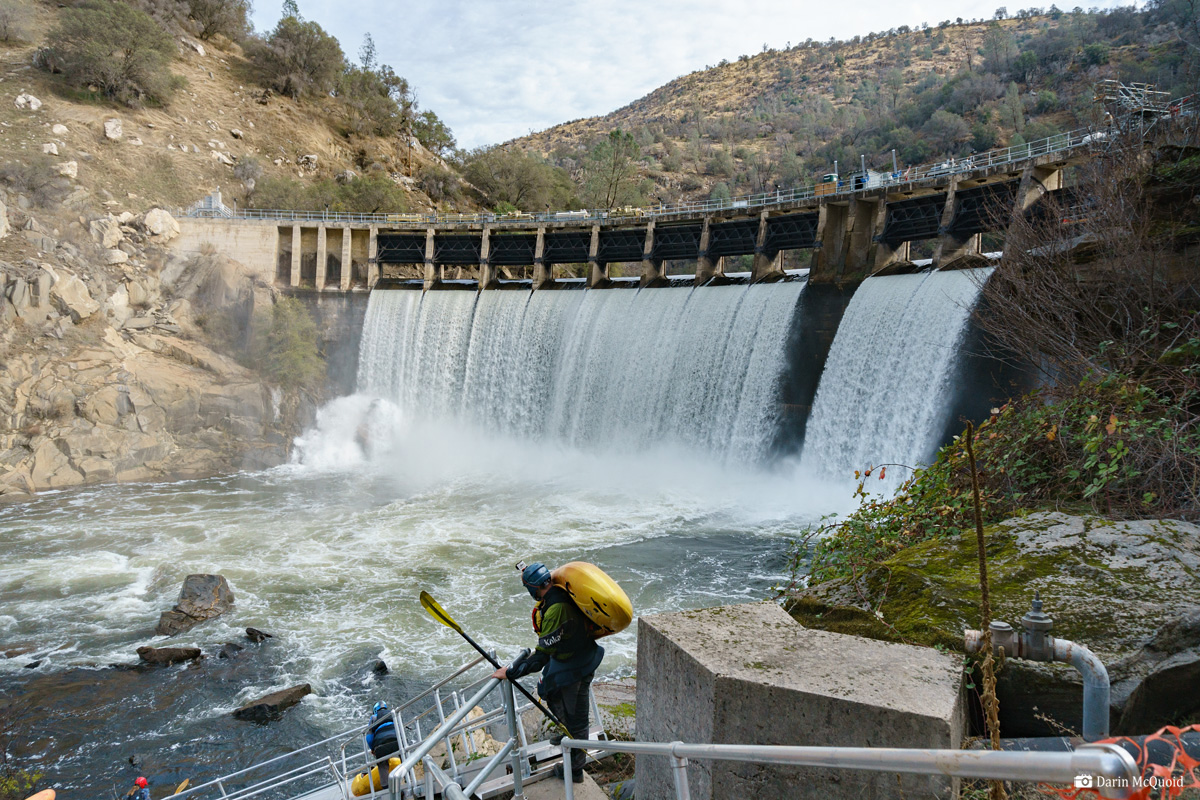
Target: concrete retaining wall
(750,674)
(250,243)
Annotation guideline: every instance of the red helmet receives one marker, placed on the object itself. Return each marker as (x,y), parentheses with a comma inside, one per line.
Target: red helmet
(141,783)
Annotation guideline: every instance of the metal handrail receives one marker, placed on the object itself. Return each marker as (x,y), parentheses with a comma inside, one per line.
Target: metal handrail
(1104,761)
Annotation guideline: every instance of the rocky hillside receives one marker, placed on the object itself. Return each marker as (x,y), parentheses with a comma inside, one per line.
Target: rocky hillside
(118,360)
(782,118)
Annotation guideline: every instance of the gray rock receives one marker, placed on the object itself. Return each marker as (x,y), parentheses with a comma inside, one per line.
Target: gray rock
(236,133)
(168,655)
(272,706)
(105,232)
(113,129)
(160,224)
(69,169)
(58,129)
(230,650)
(26,100)
(71,297)
(4,228)
(50,149)
(115,256)
(203,597)
(256,636)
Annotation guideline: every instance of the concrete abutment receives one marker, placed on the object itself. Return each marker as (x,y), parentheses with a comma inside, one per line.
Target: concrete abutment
(750,674)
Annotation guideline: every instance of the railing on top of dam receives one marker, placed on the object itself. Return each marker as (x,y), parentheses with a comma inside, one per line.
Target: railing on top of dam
(846,185)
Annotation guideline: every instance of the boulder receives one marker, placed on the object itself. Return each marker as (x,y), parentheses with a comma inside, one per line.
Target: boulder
(3,225)
(345,176)
(160,224)
(70,296)
(256,636)
(113,130)
(308,161)
(236,133)
(1161,679)
(115,256)
(202,597)
(69,169)
(106,232)
(58,129)
(50,149)
(1125,589)
(138,296)
(222,158)
(26,100)
(195,45)
(168,655)
(230,650)
(272,706)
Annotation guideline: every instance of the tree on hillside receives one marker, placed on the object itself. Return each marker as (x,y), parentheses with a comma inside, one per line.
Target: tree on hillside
(115,47)
(378,101)
(513,179)
(610,171)
(229,18)
(432,132)
(300,58)
(945,130)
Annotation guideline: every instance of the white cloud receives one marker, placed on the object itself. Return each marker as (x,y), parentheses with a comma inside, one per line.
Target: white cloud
(496,70)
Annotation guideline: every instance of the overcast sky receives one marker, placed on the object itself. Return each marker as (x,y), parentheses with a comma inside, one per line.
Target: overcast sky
(497,69)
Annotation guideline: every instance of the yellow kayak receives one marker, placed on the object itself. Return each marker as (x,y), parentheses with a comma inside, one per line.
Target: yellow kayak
(359,785)
(597,595)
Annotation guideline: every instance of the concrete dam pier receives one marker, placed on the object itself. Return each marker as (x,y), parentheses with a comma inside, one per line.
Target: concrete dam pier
(854,228)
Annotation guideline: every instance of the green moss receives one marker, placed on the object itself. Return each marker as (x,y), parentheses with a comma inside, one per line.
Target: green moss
(622,710)
(929,593)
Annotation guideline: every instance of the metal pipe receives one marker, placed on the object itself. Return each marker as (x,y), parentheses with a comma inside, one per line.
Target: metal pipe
(1095,686)
(515,731)
(679,770)
(442,732)
(1109,762)
(1034,643)
(568,774)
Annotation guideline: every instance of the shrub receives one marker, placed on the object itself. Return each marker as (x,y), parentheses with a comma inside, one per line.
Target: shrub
(13,21)
(228,18)
(115,47)
(300,58)
(366,194)
(1095,54)
(288,351)
(377,101)
(1109,445)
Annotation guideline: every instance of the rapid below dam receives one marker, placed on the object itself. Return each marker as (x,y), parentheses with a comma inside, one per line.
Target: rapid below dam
(678,437)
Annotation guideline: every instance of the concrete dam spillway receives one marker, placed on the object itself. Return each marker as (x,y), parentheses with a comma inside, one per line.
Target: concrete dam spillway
(696,369)
(701,369)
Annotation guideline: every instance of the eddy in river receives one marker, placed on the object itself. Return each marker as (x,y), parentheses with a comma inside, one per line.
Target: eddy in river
(566,654)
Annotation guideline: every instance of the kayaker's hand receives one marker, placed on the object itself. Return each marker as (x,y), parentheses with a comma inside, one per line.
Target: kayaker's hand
(501,673)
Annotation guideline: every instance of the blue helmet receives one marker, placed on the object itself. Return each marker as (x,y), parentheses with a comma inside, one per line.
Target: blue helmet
(535,576)
(379,707)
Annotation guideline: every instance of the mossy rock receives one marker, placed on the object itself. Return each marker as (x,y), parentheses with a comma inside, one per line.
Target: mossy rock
(1108,585)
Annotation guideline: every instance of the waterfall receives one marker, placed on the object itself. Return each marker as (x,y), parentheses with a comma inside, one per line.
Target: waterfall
(598,370)
(884,393)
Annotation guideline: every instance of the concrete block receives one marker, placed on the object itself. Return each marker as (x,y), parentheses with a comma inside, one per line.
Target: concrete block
(750,674)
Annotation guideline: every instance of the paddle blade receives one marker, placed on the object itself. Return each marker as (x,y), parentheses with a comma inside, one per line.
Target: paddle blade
(437,612)
(182,786)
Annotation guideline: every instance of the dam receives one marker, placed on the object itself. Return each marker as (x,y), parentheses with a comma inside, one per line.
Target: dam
(853,227)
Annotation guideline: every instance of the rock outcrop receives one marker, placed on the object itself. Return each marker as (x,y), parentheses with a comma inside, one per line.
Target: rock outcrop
(1126,590)
(202,597)
(168,655)
(272,706)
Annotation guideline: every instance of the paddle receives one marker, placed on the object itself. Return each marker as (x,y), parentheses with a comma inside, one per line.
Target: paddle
(182,786)
(439,613)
